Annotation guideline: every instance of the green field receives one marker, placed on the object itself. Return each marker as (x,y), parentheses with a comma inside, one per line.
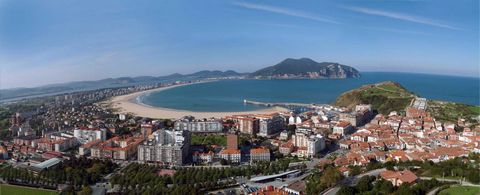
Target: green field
(19,190)
(220,140)
(461,190)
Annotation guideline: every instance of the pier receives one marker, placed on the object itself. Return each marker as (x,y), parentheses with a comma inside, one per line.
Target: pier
(281,104)
(298,107)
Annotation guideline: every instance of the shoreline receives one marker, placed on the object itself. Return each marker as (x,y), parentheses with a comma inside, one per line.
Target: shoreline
(130,103)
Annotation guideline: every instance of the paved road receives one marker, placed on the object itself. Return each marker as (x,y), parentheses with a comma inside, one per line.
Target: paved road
(464,183)
(351,181)
(434,191)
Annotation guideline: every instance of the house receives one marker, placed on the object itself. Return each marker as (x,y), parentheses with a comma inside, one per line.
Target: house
(345,171)
(284,135)
(343,128)
(399,177)
(206,157)
(259,154)
(232,155)
(296,188)
(286,148)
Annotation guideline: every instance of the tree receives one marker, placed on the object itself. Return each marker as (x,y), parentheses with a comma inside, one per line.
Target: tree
(404,189)
(355,170)
(86,190)
(473,176)
(364,184)
(223,162)
(346,190)
(385,186)
(331,177)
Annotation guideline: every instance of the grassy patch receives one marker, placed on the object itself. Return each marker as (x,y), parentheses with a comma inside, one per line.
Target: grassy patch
(449,111)
(384,97)
(220,140)
(464,190)
(20,190)
(475,109)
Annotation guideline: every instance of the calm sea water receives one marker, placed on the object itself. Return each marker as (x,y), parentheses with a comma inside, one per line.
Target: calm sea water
(228,95)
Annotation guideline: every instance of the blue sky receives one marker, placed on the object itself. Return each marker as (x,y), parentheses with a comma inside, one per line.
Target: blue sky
(53,41)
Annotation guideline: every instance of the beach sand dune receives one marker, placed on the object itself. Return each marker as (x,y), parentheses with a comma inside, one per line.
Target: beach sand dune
(128,104)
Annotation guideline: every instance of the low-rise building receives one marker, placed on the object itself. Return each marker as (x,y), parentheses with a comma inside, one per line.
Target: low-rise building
(231,155)
(58,142)
(399,177)
(343,128)
(259,154)
(117,148)
(206,157)
(85,149)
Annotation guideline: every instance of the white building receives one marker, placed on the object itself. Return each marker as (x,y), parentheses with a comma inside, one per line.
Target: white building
(313,143)
(293,120)
(232,155)
(85,135)
(343,128)
(189,123)
(168,147)
(316,144)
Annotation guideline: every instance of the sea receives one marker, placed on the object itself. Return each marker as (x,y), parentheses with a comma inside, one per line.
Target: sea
(228,95)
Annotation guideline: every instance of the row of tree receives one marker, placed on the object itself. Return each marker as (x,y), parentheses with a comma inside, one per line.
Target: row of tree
(144,178)
(370,185)
(75,171)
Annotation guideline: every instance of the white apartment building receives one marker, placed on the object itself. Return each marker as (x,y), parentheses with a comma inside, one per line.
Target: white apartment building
(313,143)
(193,125)
(85,135)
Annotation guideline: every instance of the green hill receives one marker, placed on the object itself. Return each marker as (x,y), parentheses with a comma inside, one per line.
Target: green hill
(384,97)
(306,68)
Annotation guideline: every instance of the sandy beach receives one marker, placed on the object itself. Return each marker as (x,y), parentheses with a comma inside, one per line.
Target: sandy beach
(128,104)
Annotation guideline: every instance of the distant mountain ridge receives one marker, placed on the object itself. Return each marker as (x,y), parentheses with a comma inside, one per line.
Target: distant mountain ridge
(306,68)
(288,68)
(112,82)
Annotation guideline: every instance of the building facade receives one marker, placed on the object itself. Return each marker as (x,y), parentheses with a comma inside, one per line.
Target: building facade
(193,125)
(271,126)
(117,148)
(85,135)
(167,146)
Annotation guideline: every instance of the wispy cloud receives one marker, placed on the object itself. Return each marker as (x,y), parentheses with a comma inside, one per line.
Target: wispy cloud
(398,30)
(404,17)
(284,11)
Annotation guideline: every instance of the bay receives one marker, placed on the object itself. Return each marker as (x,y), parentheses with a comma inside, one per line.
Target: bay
(228,95)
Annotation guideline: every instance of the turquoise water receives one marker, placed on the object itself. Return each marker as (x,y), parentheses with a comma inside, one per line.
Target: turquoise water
(228,95)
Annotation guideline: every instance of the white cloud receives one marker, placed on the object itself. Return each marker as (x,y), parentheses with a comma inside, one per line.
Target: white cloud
(284,11)
(404,17)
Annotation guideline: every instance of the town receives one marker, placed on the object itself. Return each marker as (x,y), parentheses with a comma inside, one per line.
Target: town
(75,142)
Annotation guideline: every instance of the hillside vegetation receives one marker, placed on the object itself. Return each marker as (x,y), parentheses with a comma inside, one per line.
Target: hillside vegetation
(306,68)
(450,111)
(384,97)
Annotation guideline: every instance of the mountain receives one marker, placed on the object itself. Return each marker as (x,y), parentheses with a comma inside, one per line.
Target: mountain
(289,68)
(215,73)
(110,82)
(384,97)
(306,68)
